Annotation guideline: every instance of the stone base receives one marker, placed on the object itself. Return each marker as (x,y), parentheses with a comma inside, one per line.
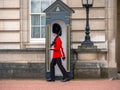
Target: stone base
(22,63)
(91,63)
(87,73)
(83,47)
(90,70)
(22,70)
(112,72)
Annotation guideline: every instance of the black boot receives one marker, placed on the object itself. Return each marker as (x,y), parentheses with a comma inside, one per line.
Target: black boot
(50,80)
(65,80)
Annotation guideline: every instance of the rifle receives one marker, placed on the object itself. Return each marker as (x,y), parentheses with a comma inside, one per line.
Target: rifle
(53,42)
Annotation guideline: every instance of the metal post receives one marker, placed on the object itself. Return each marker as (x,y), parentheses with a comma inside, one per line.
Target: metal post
(87,42)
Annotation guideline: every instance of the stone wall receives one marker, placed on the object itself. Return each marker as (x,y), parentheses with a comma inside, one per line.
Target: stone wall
(88,69)
(98,22)
(15,31)
(111,36)
(18,56)
(10,24)
(22,70)
(103,31)
(22,64)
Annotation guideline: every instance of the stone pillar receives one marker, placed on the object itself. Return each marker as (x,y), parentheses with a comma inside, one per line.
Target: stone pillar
(112,28)
(24,23)
(91,63)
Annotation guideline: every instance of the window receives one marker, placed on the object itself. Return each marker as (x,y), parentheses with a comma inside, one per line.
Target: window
(37,19)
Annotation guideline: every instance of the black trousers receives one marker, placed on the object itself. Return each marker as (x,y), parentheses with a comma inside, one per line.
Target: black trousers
(52,68)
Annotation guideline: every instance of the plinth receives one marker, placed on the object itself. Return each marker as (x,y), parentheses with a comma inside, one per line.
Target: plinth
(91,62)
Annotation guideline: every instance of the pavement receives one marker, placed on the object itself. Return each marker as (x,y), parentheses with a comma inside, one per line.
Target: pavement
(58,85)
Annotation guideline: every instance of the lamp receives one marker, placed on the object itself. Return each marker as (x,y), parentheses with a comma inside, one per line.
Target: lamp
(87,4)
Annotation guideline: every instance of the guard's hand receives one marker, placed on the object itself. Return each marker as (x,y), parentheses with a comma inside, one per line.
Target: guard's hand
(63,58)
(50,49)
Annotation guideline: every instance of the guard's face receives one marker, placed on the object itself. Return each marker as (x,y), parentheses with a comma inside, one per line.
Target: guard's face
(54,34)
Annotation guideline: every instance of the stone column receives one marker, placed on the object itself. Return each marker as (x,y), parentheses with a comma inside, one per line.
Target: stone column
(24,22)
(111,30)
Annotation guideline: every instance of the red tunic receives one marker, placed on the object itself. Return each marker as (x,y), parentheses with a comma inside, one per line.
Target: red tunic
(58,49)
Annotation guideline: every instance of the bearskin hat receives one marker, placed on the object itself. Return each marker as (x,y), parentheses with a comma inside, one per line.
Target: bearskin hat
(57,29)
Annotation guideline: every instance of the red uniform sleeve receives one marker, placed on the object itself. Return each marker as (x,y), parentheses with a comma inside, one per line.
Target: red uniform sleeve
(63,54)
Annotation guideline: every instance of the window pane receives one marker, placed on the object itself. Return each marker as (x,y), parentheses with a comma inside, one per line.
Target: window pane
(35,19)
(35,6)
(35,32)
(44,4)
(38,21)
(43,32)
(43,20)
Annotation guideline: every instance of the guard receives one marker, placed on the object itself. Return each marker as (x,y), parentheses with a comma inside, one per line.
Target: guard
(58,54)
